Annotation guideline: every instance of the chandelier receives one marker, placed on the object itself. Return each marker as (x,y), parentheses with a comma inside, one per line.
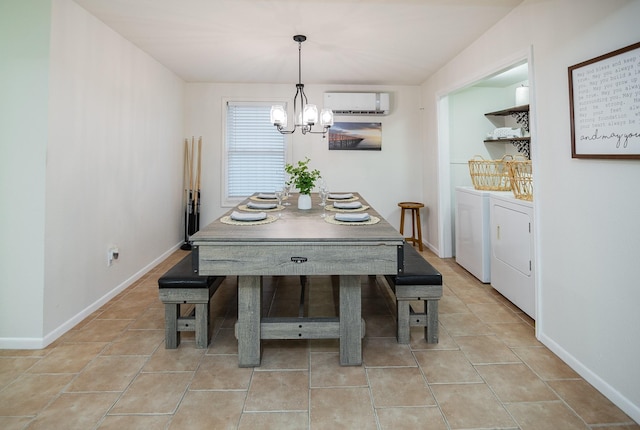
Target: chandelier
(305,114)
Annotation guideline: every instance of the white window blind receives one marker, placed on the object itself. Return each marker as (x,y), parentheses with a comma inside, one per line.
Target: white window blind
(255,150)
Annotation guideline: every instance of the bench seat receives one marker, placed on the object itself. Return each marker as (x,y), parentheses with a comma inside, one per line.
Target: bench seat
(418,281)
(182,285)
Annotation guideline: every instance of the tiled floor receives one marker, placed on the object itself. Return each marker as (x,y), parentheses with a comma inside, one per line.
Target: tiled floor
(488,371)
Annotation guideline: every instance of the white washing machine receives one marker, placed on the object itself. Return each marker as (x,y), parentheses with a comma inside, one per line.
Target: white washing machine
(513,256)
(472,230)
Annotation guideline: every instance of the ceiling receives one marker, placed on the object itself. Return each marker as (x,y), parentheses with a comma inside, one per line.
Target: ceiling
(353,42)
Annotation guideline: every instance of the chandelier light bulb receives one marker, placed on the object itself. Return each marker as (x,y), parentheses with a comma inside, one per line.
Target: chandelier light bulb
(278,116)
(310,115)
(326,118)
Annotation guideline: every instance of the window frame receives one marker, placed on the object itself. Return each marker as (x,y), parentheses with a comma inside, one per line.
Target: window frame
(226,200)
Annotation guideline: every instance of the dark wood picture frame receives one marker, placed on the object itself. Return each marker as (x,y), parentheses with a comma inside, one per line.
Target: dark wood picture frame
(604,102)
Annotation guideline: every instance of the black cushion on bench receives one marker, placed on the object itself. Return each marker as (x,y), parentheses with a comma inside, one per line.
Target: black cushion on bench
(417,270)
(183,275)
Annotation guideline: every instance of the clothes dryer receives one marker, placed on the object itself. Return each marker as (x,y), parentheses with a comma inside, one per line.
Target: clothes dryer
(472,232)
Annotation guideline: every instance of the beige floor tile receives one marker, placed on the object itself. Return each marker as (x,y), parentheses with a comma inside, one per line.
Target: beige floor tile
(68,358)
(224,342)
(381,326)
(411,418)
(32,353)
(278,391)
(618,427)
(589,404)
(341,408)
(274,420)
(452,305)
(99,374)
(285,354)
(324,345)
(14,423)
(545,363)
(12,367)
(221,372)
(545,416)
(125,308)
(153,393)
(468,406)
(464,325)
(74,411)
(100,330)
(285,308)
(399,386)
(515,335)
(374,306)
(209,410)
(327,372)
(152,318)
(418,342)
(486,350)
(184,358)
(515,383)
(493,313)
(384,351)
(28,394)
(473,295)
(446,367)
(135,422)
(135,342)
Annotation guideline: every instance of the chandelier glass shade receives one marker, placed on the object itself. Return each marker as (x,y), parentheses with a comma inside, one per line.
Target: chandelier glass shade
(305,114)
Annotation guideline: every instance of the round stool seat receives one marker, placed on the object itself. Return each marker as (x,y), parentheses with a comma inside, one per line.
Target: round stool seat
(414,207)
(410,205)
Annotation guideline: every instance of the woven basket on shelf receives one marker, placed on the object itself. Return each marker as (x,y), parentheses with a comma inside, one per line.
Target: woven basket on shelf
(491,175)
(521,176)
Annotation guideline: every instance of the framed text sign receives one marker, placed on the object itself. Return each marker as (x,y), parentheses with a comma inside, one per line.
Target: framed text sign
(604,99)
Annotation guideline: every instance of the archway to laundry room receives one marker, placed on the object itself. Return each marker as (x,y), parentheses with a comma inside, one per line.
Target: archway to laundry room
(464,132)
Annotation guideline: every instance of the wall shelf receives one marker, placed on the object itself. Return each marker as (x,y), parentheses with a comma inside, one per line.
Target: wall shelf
(521,115)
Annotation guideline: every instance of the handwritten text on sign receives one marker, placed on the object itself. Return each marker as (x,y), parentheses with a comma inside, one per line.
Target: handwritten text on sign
(606,100)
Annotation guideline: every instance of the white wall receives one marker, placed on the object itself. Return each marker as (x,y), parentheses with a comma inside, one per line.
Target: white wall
(113,140)
(586,210)
(383,177)
(24,55)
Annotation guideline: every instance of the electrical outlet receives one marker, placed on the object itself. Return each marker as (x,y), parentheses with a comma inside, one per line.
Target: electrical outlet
(112,254)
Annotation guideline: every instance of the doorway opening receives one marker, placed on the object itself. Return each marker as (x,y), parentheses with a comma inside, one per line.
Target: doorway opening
(463,129)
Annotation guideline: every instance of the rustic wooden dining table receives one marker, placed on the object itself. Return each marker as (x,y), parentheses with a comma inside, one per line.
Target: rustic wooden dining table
(299,243)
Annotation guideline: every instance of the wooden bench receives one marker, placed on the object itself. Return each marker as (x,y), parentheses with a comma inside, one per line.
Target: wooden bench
(418,281)
(182,285)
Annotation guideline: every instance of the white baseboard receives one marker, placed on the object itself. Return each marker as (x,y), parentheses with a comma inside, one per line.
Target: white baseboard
(601,385)
(43,342)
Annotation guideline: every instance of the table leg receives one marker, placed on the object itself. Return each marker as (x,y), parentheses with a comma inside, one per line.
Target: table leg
(249,315)
(350,321)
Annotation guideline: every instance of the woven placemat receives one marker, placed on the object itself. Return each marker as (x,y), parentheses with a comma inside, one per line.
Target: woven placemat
(334,209)
(331,219)
(248,209)
(227,220)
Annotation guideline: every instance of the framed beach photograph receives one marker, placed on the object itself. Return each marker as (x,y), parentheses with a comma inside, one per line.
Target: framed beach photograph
(604,102)
(358,136)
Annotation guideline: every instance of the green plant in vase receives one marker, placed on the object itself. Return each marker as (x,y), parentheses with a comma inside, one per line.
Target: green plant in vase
(304,180)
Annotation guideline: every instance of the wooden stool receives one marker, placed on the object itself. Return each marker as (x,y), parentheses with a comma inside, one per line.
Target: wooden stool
(415,221)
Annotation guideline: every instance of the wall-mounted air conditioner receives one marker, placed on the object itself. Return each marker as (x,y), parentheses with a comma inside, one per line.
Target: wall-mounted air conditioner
(357,103)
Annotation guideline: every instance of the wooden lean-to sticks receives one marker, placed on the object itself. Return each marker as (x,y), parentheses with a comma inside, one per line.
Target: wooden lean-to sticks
(191,180)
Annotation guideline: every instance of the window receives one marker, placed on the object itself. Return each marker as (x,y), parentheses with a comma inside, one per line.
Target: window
(255,152)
